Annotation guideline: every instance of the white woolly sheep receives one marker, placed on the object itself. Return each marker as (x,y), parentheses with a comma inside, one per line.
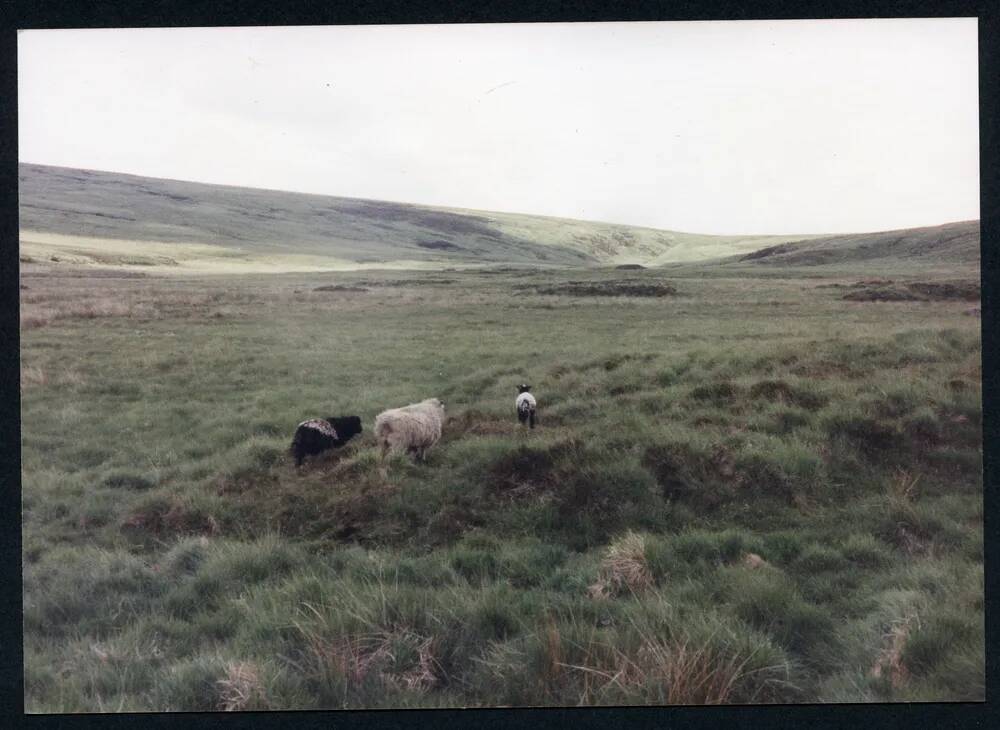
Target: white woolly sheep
(414,428)
(526,405)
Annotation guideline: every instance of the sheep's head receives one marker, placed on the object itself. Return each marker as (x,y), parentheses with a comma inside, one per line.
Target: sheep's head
(346,426)
(436,402)
(523,388)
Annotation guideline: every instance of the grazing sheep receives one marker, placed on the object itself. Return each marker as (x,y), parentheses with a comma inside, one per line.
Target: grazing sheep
(413,428)
(319,434)
(525,405)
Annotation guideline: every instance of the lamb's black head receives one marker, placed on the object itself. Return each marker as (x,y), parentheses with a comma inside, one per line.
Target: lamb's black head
(346,426)
(523,388)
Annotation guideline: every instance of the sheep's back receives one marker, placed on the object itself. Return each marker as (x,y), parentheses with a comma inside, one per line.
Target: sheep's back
(417,425)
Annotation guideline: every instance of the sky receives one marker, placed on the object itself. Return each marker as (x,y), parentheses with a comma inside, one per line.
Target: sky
(728,127)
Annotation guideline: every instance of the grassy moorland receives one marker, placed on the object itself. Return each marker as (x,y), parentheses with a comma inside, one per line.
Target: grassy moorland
(750,483)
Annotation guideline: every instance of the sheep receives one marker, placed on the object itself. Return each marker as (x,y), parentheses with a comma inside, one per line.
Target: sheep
(525,405)
(414,428)
(319,434)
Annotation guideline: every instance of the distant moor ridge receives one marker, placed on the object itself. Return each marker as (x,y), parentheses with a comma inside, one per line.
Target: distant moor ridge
(90,213)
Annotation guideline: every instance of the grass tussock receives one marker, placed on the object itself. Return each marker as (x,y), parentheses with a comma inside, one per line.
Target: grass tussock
(241,688)
(889,662)
(624,568)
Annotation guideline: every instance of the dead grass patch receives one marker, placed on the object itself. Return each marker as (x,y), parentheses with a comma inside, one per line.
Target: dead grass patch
(779,390)
(691,674)
(33,317)
(680,670)
(33,375)
(624,568)
(241,688)
(889,662)
(903,487)
(34,320)
(173,518)
(400,660)
(475,423)
(341,288)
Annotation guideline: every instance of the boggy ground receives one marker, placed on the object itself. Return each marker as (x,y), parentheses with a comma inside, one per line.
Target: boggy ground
(743,489)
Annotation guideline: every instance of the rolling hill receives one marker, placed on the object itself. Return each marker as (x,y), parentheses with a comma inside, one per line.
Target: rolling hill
(86,216)
(951,243)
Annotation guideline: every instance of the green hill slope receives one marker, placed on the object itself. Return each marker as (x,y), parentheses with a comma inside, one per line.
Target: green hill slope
(950,243)
(101,208)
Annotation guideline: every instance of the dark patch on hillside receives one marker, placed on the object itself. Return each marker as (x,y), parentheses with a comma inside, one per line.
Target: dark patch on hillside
(779,390)
(962,290)
(430,281)
(955,242)
(629,267)
(882,294)
(341,288)
(619,288)
(446,222)
(769,251)
(507,270)
(919,291)
(439,245)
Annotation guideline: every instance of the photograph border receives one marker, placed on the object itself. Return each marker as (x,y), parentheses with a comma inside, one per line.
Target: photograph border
(121,13)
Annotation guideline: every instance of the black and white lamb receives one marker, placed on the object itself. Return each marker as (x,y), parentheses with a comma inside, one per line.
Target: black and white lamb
(526,405)
(320,434)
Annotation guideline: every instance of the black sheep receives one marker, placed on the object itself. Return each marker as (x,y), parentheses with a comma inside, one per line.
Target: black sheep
(319,434)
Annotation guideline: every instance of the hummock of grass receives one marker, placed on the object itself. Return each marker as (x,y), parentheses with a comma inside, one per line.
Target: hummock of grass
(751,492)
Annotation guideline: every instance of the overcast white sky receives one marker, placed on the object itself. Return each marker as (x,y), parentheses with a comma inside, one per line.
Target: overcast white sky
(711,127)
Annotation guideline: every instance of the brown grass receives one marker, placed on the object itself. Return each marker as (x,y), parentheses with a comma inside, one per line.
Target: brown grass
(889,662)
(901,492)
(355,658)
(624,568)
(681,671)
(34,320)
(241,688)
(33,317)
(422,675)
(173,518)
(692,675)
(902,487)
(33,375)
(58,298)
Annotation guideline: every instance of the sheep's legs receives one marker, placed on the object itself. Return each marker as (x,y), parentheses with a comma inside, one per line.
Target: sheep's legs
(531,420)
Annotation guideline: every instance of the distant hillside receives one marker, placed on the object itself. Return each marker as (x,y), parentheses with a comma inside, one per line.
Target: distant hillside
(952,243)
(103,217)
